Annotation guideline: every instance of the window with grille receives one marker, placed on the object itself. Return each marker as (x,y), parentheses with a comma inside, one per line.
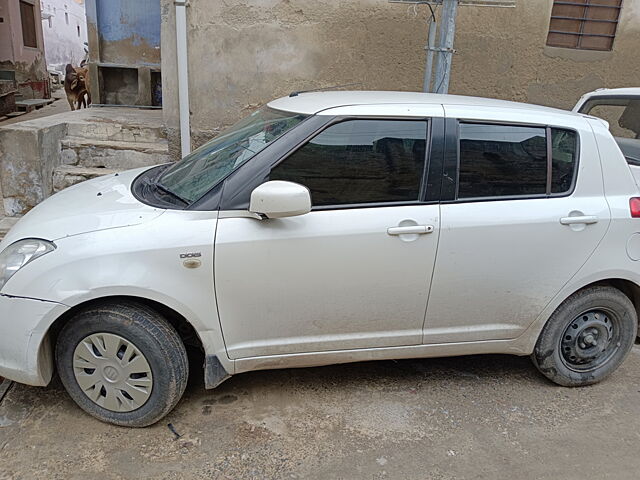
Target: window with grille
(584,24)
(28,20)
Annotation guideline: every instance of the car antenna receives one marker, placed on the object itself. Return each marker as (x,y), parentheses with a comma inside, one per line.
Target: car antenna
(334,87)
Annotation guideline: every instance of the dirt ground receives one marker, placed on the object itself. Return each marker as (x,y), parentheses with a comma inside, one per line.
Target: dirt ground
(484,417)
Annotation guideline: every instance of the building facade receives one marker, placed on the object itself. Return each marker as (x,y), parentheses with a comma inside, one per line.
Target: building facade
(22,58)
(64,26)
(243,53)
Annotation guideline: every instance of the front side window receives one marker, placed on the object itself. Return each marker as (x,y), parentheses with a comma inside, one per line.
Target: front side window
(513,161)
(198,172)
(360,162)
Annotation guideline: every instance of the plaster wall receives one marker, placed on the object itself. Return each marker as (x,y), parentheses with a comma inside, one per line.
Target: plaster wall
(63,44)
(27,62)
(502,54)
(243,53)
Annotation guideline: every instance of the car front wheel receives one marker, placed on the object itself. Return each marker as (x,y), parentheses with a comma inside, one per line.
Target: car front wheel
(123,363)
(587,338)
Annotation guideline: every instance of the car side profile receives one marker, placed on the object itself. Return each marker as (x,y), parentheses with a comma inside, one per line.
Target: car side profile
(325,228)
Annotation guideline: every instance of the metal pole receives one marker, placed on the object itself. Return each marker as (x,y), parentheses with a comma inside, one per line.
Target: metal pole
(447,35)
(183,76)
(428,73)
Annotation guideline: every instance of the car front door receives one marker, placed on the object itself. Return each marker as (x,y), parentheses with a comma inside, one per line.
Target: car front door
(354,272)
(526,213)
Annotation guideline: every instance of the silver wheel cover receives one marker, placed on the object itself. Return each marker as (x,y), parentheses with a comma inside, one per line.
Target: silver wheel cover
(112,372)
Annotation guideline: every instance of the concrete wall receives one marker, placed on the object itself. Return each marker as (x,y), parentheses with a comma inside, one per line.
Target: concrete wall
(28,63)
(62,43)
(29,151)
(243,53)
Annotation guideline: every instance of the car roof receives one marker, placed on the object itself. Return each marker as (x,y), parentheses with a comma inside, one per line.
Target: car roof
(632,91)
(315,102)
(629,92)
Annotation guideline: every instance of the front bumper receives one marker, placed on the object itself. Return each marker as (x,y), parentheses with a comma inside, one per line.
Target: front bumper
(25,351)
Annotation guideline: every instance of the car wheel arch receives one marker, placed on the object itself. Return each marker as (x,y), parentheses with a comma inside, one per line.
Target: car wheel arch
(527,340)
(187,332)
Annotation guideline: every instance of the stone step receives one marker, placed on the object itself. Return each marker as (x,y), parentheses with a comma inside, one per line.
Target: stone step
(31,104)
(15,114)
(121,132)
(66,175)
(91,153)
(5,225)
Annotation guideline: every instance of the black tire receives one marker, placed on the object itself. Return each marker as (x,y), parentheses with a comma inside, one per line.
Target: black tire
(602,315)
(147,331)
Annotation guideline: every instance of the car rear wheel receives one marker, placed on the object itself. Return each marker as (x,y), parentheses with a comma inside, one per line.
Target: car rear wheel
(123,363)
(587,338)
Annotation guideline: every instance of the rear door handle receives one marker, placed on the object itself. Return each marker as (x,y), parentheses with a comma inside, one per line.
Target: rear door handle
(410,230)
(582,219)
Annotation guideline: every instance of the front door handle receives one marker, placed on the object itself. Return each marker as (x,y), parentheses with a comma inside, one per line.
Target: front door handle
(579,220)
(410,230)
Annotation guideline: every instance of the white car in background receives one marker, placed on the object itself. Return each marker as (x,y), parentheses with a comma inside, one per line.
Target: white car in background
(620,107)
(329,228)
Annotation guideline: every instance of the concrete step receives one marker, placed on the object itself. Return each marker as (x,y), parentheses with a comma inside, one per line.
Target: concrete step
(5,225)
(113,154)
(121,131)
(15,114)
(31,104)
(66,175)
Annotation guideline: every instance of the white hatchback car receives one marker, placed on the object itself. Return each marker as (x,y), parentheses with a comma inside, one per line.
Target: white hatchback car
(329,228)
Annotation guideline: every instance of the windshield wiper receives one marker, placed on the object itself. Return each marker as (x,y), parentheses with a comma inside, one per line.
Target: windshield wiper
(159,186)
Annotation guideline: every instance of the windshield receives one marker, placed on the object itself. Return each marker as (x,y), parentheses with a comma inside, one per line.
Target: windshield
(194,175)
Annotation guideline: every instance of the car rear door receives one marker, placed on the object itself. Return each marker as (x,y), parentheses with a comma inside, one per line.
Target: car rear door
(354,272)
(523,209)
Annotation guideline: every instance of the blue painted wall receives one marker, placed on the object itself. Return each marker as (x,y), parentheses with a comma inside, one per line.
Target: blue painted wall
(128,30)
(121,19)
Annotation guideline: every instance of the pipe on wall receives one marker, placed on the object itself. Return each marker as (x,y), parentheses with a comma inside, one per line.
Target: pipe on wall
(183,76)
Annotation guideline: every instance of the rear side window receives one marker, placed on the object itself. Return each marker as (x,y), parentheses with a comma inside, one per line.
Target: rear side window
(501,160)
(360,162)
(564,151)
(512,161)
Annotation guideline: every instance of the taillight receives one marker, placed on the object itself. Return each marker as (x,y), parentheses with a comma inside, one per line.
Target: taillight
(634,206)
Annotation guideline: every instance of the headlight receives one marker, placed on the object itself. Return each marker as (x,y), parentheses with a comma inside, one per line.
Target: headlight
(18,254)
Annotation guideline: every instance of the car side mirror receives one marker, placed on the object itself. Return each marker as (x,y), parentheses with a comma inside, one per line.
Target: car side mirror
(278,199)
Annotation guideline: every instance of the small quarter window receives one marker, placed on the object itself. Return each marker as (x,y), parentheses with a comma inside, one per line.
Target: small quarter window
(564,149)
(360,162)
(502,160)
